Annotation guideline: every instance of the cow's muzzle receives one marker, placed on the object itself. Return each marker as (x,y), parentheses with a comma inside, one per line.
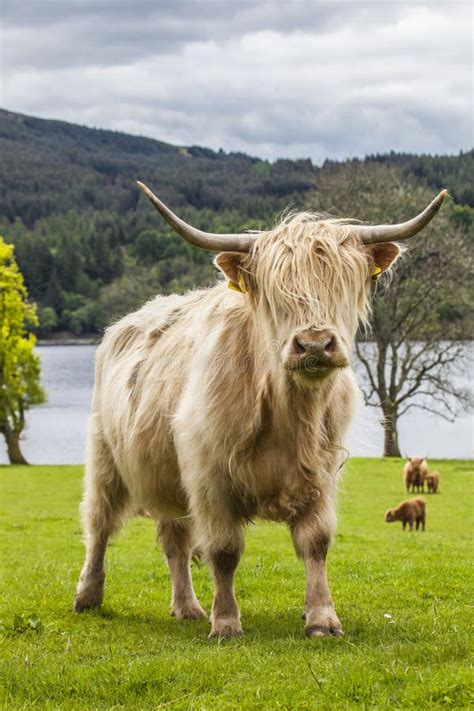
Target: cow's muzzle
(315,353)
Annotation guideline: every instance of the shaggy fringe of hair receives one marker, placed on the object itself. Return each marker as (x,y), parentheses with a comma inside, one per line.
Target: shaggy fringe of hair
(317,262)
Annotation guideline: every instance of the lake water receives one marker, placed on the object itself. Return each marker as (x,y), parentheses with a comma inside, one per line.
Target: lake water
(56,431)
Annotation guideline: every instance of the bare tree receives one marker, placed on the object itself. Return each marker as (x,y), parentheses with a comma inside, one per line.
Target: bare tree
(418,320)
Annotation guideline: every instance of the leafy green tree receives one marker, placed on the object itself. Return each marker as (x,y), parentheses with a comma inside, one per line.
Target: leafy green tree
(148,247)
(48,321)
(20,387)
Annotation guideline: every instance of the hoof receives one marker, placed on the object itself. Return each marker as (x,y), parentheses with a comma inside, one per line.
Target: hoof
(89,592)
(316,631)
(226,630)
(193,611)
(82,603)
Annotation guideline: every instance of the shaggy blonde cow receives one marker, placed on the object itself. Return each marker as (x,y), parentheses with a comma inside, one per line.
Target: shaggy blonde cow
(221,405)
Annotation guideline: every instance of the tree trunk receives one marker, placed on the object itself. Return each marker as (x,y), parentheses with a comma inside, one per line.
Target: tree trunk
(390,445)
(13,447)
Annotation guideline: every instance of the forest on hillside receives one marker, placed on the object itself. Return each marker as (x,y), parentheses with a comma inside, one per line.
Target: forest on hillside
(90,249)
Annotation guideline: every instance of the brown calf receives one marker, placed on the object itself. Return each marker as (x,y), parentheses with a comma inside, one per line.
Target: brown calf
(411,512)
(432,481)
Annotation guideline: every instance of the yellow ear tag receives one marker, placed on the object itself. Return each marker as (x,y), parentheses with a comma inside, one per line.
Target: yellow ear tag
(240,287)
(376,270)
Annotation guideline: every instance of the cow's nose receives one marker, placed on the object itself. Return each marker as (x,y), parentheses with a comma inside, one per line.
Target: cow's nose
(312,349)
(315,343)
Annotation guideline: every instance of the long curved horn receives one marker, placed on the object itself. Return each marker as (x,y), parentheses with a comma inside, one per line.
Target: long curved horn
(374,234)
(204,240)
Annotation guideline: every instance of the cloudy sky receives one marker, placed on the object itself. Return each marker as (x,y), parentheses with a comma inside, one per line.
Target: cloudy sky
(274,78)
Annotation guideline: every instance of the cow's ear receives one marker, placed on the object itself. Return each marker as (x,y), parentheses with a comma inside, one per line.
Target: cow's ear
(231,264)
(383,256)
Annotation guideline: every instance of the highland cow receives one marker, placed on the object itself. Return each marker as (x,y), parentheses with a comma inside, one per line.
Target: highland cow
(415,472)
(432,482)
(411,512)
(221,405)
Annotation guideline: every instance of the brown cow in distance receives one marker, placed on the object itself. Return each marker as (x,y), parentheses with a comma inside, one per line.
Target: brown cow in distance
(217,406)
(415,472)
(409,512)
(432,482)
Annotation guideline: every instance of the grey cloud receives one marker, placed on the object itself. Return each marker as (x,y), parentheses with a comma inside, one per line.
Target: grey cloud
(97,33)
(300,78)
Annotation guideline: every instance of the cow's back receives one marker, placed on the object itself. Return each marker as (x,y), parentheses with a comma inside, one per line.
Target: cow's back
(418,506)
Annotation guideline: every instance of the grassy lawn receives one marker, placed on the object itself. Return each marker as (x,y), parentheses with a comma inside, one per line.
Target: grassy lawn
(133,655)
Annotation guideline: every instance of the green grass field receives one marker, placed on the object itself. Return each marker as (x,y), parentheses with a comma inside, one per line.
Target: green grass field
(133,655)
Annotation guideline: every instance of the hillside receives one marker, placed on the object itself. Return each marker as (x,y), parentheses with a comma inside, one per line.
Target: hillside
(53,166)
(90,250)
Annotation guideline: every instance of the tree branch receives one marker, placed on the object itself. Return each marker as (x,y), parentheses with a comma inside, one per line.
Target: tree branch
(365,363)
(426,408)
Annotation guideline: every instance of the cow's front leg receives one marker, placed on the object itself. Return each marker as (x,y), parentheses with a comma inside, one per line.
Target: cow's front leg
(225,615)
(311,538)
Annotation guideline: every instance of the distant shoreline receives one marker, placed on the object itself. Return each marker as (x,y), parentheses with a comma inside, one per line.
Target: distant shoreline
(95,340)
(87,341)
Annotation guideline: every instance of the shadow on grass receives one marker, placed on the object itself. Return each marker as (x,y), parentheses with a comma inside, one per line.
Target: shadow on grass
(143,624)
(259,626)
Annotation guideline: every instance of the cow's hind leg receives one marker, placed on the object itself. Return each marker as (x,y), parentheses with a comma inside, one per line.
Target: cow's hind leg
(177,543)
(103,508)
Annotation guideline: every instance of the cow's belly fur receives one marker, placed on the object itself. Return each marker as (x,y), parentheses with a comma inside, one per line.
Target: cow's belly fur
(170,469)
